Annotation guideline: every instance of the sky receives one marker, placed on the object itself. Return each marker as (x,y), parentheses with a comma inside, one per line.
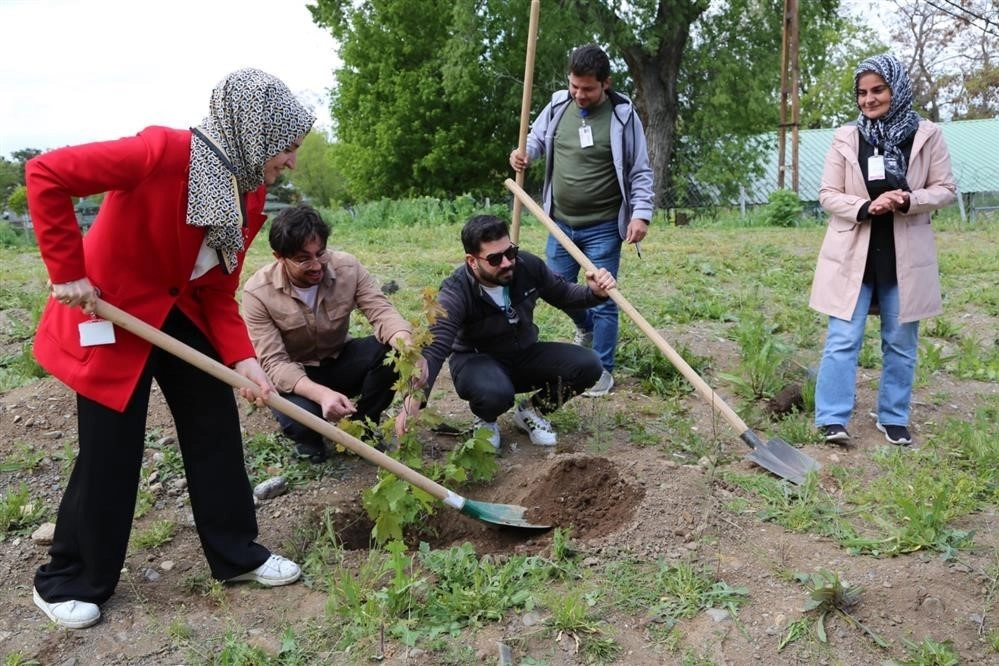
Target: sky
(75,71)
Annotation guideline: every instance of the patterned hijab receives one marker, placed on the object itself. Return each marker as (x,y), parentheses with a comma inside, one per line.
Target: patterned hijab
(252,117)
(891,130)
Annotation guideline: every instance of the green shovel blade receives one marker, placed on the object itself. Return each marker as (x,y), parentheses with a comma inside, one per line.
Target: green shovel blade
(499,514)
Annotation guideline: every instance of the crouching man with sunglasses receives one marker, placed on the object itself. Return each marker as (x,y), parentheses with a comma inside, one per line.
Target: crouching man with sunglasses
(491,342)
(298,311)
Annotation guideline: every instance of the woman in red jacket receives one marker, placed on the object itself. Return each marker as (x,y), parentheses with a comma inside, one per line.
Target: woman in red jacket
(167,246)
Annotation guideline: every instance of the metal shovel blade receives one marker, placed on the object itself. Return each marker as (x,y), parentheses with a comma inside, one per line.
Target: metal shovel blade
(779,457)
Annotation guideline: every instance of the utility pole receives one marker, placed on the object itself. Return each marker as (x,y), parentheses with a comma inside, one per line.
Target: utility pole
(788,89)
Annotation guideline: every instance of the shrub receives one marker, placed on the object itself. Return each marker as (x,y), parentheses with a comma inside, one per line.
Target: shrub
(783,209)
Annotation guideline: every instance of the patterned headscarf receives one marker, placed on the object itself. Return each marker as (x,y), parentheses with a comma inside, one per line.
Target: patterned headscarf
(252,117)
(891,130)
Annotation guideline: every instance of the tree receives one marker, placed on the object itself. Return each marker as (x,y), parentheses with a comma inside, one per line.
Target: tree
(950,49)
(17,202)
(428,97)
(10,177)
(315,174)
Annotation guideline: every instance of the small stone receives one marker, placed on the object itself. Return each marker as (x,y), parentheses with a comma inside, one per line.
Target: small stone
(505,654)
(167,565)
(53,434)
(150,574)
(169,440)
(271,488)
(531,619)
(44,534)
(717,614)
(17,418)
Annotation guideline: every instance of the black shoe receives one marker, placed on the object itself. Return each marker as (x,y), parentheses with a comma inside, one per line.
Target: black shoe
(896,434)
(314,453)
(835,433)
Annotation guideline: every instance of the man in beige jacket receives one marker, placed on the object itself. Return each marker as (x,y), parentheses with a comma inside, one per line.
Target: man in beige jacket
(298,310)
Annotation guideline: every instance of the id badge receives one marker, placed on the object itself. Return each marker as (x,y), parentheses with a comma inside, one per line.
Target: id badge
(876,167)
(585,136)
(96,332)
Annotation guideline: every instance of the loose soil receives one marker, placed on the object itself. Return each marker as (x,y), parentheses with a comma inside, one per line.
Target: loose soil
(619,499)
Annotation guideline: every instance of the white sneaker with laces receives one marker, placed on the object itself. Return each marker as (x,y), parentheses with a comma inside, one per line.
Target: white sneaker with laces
(538,427)
(602,387)
(492,427)
(583,338)
(275,571)
(69,614)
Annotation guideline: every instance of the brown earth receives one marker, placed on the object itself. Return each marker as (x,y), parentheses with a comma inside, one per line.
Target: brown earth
(619,499)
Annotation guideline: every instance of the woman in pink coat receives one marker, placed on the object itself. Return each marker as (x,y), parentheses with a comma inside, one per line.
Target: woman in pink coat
(883,177)
(167,246)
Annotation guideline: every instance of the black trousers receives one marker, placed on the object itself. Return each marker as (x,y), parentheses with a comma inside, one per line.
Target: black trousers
(359,370)
(95,515)
(557,370)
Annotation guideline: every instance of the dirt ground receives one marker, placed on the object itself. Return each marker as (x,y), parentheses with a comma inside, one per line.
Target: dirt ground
(619,499)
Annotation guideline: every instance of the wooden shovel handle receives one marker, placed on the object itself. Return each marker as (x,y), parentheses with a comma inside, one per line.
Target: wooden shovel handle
(525,110)
(232,378)
(702,387)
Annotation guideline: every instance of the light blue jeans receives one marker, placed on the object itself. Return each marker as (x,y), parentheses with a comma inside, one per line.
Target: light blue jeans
(835,389)
(601,243)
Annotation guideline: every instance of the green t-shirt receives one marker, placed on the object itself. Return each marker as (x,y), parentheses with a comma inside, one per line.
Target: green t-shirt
(584,184)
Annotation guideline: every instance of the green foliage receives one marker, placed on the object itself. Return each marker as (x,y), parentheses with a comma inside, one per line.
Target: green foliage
(315,175)
(19,514)
(17,201)
(783,209)
(154,536)
(929,652)
(829,594)
(762,359)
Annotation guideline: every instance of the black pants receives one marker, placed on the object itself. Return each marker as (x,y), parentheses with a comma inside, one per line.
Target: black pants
(95,515)
(557,370)
(359,370)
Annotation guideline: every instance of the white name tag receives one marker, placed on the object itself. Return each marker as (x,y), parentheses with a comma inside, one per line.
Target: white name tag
(585,136)
(876,167)
(96,332)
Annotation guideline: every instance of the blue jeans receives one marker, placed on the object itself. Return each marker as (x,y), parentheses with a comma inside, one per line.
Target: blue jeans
(835,389)
(601,243)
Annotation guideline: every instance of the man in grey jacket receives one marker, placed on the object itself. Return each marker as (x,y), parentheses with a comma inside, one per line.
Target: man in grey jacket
(598,186)
(490,339)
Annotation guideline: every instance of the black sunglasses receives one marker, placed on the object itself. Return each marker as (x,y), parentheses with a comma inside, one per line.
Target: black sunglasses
(496,258)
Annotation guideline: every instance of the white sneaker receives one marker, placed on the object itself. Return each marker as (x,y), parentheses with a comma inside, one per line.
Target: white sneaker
(69,614)
(538,427)
(602,387)
(583,338)
(275,571)
(492,427)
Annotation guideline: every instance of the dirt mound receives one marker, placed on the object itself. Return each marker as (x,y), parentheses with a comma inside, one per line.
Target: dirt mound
(585,494)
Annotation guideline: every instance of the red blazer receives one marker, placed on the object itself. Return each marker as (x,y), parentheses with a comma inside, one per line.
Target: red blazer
(139,252)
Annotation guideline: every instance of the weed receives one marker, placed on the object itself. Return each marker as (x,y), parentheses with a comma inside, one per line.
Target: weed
(940,327)
(19,659)
(929,652)
(18,513)
(801,508)
(829,594)
(24,458)
(763,357)
(975,360)
(932,359)
(206,586)
(154,536)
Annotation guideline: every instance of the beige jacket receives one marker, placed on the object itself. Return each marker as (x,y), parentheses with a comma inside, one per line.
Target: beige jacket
(287,335)
(840,268)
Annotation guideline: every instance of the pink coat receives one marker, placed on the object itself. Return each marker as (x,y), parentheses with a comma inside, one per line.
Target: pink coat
(843,256)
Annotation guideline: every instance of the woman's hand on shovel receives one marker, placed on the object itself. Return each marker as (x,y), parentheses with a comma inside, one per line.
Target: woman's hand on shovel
(250,368)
